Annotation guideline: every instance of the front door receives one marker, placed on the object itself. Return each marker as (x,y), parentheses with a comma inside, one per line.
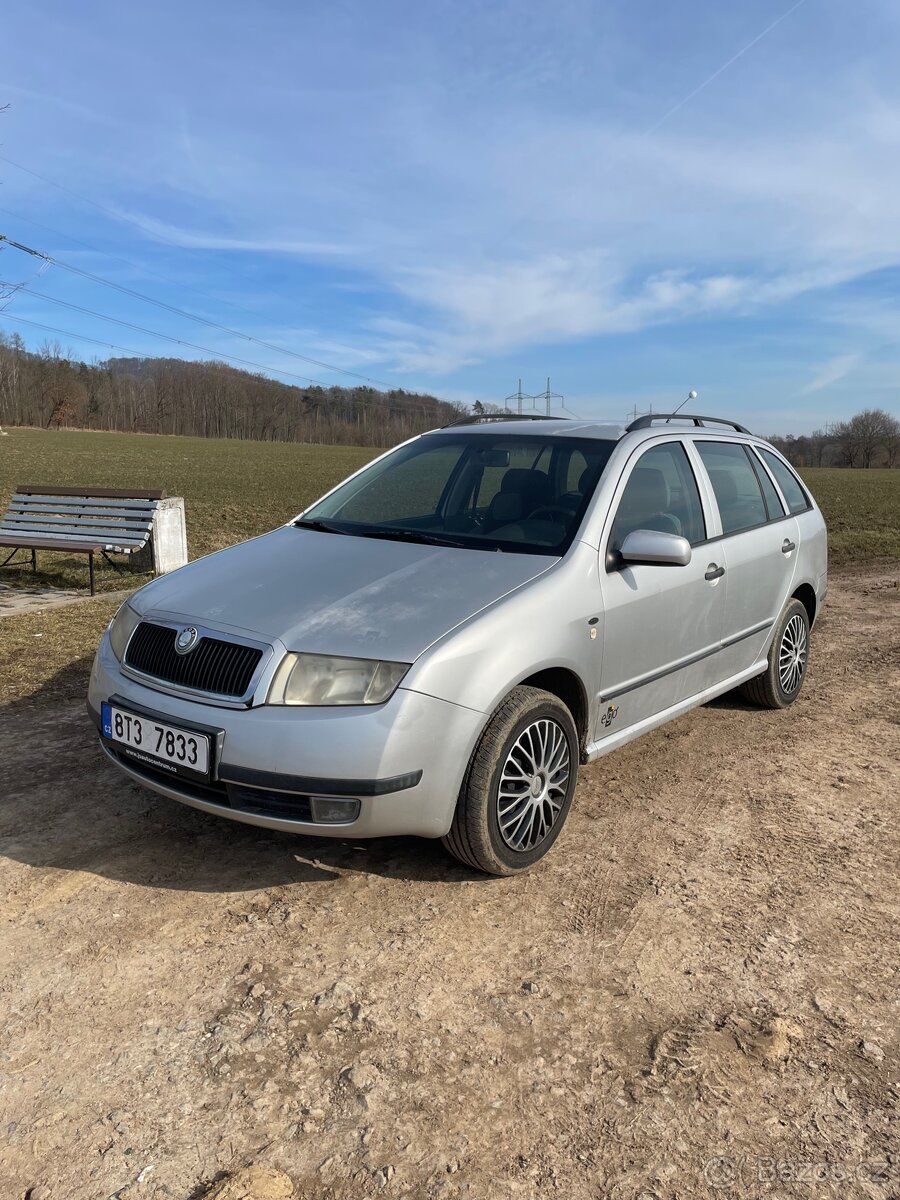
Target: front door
(662,625)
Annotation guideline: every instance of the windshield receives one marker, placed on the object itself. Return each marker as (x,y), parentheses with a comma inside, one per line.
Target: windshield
(523,494)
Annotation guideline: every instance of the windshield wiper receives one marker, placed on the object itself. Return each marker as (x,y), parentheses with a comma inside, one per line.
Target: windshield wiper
(321,526)
(380,531)
(411,535)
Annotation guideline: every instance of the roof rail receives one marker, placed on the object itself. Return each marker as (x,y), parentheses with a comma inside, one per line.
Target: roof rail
(647,421)
(477,418)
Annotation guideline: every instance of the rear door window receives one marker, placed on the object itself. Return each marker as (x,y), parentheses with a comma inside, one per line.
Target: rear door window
(797,499)
(734,482)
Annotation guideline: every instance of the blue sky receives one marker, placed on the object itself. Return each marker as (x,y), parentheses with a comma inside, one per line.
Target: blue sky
(635,198)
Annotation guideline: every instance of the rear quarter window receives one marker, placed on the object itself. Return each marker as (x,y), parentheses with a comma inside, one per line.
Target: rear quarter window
(790,485)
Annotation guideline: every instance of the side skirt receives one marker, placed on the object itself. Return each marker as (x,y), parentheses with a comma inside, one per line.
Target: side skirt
(597,749)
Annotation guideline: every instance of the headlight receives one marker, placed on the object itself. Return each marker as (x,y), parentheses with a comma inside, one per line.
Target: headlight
(320,679)
(121,627)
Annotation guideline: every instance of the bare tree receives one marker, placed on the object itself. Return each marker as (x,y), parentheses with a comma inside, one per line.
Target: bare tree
(860,439)
(892,443)
(873,426)
(846,437)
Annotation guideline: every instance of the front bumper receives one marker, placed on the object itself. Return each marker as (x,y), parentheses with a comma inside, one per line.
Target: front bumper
(403,760)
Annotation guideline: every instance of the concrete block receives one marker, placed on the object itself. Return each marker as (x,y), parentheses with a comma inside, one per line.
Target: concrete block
(167,548)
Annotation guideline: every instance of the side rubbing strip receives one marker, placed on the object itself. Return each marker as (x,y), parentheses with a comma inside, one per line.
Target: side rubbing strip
(643,680)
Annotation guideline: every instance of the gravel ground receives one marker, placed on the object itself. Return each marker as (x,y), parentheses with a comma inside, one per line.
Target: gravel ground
(696,994)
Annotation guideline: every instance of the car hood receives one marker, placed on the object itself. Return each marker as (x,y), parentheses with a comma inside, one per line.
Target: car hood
(335,594)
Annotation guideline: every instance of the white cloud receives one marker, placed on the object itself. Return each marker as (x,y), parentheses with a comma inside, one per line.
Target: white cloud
(487,310)
(174,235)
(475,178)
(830,372)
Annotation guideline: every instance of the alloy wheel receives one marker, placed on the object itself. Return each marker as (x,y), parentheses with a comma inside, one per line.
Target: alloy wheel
(533,785)
(792,654)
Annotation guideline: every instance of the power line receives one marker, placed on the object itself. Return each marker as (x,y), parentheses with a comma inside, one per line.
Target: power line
(127,262)
(85,199)
(547,396)
(15,288)
(165,336)
(134,266)
(81,337)
(180,312)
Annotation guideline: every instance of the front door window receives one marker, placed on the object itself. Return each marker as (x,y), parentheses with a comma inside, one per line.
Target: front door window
(661,494)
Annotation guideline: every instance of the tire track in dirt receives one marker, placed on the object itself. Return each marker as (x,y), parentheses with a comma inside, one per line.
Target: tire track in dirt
(609,908)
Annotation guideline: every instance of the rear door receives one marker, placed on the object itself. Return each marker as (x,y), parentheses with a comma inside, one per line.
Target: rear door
(757,541)
(661,624)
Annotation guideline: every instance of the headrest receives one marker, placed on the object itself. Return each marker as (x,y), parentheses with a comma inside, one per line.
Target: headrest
(648,491)
(587,477)
(532,486)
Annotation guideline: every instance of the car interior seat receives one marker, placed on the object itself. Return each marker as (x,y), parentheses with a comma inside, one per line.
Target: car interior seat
(522,492)
(736,512)
(645,505)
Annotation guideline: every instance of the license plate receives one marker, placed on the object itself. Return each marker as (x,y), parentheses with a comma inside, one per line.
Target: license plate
(155,742)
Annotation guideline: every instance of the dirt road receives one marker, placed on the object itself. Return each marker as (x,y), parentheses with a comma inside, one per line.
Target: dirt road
(696,992)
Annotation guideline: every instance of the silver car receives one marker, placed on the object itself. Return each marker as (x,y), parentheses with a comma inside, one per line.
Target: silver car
(434,646)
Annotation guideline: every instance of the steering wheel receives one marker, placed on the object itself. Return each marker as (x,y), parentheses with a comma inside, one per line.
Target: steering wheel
(551,509)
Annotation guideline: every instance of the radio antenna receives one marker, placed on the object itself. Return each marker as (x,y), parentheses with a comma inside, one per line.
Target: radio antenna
(692,395)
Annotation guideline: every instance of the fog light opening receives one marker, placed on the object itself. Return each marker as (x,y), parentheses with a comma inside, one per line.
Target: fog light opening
(329,810)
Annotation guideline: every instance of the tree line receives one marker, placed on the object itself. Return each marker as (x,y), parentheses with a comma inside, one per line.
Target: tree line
(870,439)
(48,388)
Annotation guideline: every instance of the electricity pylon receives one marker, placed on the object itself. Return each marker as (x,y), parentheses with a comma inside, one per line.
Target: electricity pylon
(519,396)
(548,397)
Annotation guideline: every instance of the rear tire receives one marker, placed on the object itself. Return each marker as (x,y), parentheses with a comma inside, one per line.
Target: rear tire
(519,785)
(780,683)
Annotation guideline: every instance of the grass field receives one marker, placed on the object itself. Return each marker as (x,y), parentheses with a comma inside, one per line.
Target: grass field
(234,490)
(862,509)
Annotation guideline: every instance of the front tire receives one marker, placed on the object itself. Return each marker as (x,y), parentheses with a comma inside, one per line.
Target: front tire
(519,785)
(780,683)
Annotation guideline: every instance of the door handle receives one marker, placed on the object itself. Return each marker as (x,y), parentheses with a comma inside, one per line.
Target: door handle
(714,572)
(787,546)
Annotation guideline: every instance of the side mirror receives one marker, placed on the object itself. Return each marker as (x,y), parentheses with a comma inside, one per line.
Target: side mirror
(651,546)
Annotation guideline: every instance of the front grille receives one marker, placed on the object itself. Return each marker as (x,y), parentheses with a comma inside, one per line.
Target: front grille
(263,803)
(224,668)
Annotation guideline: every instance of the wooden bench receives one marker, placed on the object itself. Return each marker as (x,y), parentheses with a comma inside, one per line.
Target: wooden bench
(78,520)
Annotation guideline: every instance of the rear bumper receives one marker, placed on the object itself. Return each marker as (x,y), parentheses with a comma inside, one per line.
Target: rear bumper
(404,760)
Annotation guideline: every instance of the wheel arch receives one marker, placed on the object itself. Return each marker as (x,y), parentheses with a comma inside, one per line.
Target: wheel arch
(566,686)
(806,594)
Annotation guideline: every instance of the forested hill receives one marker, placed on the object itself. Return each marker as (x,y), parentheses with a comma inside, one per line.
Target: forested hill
(205,399)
